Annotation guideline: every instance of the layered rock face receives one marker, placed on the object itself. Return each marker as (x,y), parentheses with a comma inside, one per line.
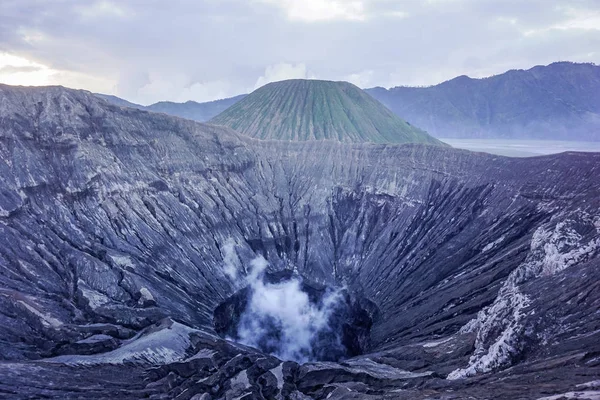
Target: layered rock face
(123,231)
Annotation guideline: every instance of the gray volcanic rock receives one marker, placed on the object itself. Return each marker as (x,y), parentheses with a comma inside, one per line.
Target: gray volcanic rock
(114,232)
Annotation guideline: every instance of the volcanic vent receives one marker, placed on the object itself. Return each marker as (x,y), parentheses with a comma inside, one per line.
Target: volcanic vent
(284,315)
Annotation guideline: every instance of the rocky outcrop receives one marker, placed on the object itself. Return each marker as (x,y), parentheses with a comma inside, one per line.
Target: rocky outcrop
(121,232)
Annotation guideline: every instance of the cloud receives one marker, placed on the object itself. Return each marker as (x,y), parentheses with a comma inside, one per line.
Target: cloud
(231,262)
(361,79)
(13,69)
(201,50)
(180,88)
(282,71)
(321,10)
(578,20)
(100,9)
(280,318)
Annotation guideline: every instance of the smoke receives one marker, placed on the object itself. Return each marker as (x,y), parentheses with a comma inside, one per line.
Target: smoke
(280,318)
(288,319)
(231,262)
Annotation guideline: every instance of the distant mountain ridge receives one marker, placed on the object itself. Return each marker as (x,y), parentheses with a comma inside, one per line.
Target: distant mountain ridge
(302,110)
(119,101)
(193,110)
(200,112)
(560,101)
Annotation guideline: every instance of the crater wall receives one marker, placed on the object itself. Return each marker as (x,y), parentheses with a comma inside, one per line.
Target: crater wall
(112,219)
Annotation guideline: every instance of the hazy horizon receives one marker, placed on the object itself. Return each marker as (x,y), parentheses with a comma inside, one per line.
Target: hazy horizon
(149,51)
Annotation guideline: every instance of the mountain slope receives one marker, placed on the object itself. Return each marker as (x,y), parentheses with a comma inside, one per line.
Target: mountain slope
(558,101)
(301,110)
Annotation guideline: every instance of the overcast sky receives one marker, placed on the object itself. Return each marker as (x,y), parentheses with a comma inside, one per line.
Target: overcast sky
(151,50)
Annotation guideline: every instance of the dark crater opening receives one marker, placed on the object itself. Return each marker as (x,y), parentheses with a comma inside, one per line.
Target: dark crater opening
(346,332)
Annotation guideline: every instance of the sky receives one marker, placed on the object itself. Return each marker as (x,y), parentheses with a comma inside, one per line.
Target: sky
(149,50)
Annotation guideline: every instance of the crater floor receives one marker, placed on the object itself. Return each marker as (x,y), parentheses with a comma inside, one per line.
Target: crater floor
(122,231)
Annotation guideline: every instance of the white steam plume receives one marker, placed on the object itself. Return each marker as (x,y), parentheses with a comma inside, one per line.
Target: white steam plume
(231,262)
(280,318)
